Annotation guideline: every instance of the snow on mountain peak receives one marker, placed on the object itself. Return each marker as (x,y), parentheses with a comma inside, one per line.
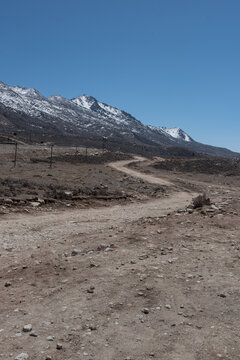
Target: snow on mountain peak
(58,99)
(90,103)
(110,109)
(85,101)
(175,132)
(29,92)
(55,97)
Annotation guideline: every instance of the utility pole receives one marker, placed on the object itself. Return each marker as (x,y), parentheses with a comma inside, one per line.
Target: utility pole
(104,142)
(51,156)
(15,155)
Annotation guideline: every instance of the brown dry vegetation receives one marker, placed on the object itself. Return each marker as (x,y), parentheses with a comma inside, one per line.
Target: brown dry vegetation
(74,180)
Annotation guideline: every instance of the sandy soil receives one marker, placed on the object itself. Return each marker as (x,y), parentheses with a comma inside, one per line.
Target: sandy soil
(139,281)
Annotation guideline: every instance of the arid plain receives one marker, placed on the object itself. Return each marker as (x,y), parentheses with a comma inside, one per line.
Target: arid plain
(103,256)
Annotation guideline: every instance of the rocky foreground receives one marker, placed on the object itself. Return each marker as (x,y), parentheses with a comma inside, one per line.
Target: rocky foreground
(151,280)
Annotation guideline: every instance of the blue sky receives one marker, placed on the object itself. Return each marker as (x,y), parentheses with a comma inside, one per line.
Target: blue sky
(167,62)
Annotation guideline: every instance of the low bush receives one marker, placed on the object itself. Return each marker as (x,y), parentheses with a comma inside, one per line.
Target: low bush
(200,201)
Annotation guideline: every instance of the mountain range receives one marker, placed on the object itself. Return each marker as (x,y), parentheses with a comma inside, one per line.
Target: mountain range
(86,121)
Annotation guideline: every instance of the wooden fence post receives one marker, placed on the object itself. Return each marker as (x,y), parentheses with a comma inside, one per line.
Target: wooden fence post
(15,155)
(51,156)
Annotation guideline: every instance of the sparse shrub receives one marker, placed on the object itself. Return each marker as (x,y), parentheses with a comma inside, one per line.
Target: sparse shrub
(12,183)
(200,201)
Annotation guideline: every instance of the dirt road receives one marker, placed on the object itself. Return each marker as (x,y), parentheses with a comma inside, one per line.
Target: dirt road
(60,224)
(122,166)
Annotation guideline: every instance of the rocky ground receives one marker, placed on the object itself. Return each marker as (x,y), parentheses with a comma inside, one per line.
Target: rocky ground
(156,279)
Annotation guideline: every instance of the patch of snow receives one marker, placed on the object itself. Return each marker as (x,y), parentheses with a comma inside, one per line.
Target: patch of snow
(175,133)
(84,101)
(26,91)
(110,109)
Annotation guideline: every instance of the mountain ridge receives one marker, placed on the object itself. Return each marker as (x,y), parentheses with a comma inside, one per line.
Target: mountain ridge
(26,110)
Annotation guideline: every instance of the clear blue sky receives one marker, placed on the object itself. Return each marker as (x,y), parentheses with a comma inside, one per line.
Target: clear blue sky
(167,62)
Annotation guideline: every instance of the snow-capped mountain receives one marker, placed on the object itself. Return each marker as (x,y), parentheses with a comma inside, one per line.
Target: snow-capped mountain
(84,118)
(79,115)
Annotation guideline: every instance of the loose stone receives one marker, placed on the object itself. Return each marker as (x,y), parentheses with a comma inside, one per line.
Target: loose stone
(27,328)
(22,356)
(33,334)
(50,338)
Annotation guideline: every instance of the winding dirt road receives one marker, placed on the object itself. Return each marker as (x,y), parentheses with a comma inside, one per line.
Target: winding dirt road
(62,296)
(122,166)
(90,220)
